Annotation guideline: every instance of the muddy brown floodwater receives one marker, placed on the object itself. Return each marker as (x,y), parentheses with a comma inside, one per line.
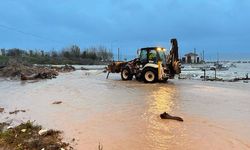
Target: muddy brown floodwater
(125,114)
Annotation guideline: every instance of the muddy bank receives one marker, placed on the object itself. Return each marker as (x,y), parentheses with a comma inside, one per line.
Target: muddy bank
(17,134)
(30,136)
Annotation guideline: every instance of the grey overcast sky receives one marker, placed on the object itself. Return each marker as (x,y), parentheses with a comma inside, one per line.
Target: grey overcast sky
(216,26)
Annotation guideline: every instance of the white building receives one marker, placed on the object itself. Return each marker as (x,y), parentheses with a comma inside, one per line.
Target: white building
(1,53)
(192,58)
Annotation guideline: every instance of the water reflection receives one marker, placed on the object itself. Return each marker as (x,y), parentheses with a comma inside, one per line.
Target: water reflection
(161,99)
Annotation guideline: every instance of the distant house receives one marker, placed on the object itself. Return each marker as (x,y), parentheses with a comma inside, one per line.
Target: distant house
(191,58)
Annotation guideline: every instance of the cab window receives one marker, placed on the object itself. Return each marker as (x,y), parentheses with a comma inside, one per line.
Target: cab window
(143,56)
(152,56)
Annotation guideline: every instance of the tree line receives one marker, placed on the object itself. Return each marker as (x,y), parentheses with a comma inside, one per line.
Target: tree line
(69,55)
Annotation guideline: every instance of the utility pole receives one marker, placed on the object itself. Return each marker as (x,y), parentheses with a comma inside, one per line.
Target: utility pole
(125,57)
(179,56)
(218,57)
(203,56)
(118,57)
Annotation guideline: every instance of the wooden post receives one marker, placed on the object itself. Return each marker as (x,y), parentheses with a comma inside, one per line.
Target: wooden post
(215,73)
(204,74)
(107,75)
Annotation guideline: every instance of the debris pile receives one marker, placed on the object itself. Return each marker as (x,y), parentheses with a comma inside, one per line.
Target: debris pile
(16,111)
(30,136)
(31,72)
(1,109)
(57,102)
(40,73)
(15,68)
(65,68)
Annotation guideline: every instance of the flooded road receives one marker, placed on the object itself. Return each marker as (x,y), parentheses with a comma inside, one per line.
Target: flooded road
(125,114)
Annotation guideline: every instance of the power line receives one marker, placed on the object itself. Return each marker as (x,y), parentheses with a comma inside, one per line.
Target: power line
(27,33)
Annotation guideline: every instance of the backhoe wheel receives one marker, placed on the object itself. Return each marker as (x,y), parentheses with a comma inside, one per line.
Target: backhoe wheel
(150,75)
(125,74)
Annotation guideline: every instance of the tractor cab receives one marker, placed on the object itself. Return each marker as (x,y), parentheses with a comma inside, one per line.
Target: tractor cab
(152,55)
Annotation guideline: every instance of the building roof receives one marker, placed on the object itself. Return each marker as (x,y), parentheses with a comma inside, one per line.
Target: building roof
(191,54)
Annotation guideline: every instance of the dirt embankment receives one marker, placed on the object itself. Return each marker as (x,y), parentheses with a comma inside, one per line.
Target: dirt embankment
(15,69)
